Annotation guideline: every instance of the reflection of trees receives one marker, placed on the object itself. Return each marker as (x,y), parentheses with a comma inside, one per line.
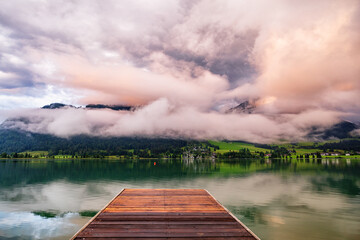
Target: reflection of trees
(20,172)
(252,214)
(14,172)
(344,184)
(201,166)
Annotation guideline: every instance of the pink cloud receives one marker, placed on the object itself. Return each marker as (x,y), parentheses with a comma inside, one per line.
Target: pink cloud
(183,60)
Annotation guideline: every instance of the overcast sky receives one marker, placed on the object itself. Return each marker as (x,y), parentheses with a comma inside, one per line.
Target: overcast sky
(294,59)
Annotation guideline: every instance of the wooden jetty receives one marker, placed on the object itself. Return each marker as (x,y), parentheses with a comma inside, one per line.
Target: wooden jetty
(164,214)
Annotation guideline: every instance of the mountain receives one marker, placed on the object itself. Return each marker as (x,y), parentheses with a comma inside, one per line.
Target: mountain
(91,106)
(14,123)
(244,107)
(340,130)
(57,106)
(13,140)
(112,107)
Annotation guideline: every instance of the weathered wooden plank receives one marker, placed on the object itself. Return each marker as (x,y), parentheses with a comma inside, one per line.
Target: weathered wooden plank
(164,214)
(170,226)
(170,238)
(165,230)
(174,215)
(96,221)
(163,234)
(165,218)
(158,192)
(161,209)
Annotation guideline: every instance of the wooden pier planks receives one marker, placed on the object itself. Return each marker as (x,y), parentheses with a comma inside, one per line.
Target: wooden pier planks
(164,214)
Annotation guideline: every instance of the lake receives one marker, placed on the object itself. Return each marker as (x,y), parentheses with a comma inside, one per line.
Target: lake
(298,199)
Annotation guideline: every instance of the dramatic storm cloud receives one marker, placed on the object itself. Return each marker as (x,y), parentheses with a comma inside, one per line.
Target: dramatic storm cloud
(185,62)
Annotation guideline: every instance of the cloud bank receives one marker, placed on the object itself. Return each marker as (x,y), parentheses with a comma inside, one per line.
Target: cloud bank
(161,119)
(187,62)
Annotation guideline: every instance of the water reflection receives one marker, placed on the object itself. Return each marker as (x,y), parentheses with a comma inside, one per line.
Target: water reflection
(25,225)
(276,199)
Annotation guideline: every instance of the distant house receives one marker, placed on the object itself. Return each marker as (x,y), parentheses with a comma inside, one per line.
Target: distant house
(348,154)
(334,154)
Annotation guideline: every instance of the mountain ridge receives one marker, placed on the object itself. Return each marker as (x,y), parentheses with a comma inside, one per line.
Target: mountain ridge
(115,107)
(246,107)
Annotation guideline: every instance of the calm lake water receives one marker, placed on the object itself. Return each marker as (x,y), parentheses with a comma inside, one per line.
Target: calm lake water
(276,200)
